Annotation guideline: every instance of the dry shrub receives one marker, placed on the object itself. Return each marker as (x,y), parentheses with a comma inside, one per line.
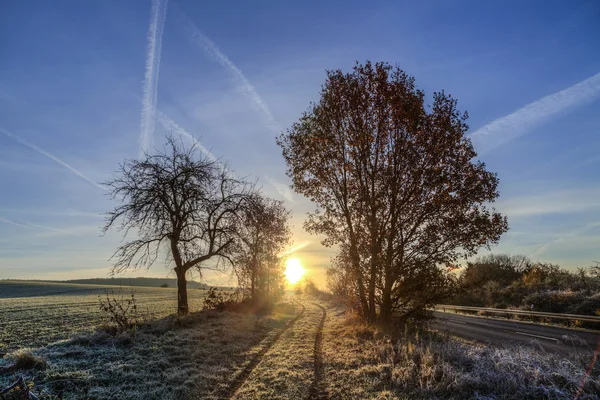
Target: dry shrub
(24,359)
(121,313)
(429,365)
(421,363)
(221,300)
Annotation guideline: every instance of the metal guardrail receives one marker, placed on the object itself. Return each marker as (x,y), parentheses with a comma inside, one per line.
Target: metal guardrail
(572,317)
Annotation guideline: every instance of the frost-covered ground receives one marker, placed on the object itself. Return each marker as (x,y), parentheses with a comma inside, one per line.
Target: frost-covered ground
(194,357)
(315,354)
(34,314)
(362,363)
(287,370)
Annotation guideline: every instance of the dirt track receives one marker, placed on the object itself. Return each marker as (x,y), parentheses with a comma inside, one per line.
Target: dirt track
(292,366)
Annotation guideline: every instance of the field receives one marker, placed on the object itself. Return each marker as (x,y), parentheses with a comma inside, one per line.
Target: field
(34,314)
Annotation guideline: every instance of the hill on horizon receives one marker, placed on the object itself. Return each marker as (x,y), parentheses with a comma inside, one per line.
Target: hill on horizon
(137,281)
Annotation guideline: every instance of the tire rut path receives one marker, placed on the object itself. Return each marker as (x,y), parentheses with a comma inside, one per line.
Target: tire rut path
(317,389)
(243,376)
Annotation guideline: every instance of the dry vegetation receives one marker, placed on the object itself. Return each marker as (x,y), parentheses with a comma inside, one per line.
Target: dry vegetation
(307,349)
(363,363)
(196,356)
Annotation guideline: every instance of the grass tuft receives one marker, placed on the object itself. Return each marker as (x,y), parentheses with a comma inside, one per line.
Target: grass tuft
(24,359)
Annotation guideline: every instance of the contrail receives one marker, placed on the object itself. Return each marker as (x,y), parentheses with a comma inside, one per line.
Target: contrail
(30,225)
(8,221)
(172,126)
(150,85)
(296,248)
(45,153)
(519,122)
(243,84)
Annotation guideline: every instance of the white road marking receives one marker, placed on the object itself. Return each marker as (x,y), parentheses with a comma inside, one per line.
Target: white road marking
(538,336)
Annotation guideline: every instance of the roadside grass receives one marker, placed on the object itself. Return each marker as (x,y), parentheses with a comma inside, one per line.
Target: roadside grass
(362,362)
(194,357)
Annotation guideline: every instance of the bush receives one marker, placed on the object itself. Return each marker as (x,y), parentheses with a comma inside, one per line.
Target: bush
(589,306)
(312,290)
(120,312)
(553,301)
(221,300)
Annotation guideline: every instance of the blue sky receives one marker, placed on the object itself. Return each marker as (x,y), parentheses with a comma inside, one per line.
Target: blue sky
(84,85)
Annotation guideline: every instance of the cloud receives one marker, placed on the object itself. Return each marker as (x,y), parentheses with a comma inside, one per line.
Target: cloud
(45,153)
(559,202)
(571,235)
(10,222)
(283,189)
(150,85)
(519,122)
(29,225)
(297,248)
(196,37)
(48,228)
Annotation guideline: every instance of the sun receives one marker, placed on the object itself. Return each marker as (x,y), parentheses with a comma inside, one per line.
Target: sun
(293,270)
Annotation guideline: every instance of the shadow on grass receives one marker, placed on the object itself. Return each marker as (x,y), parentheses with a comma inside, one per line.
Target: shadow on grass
(195,356)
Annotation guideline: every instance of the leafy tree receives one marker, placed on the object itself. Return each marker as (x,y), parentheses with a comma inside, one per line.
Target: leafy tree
(501,268)
(179,201)
(395,183)
(263,236)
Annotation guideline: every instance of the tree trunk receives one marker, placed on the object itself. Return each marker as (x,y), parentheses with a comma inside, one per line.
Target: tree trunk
(355,261)
(372,308)
(182,298)
(385,315)
(253,287)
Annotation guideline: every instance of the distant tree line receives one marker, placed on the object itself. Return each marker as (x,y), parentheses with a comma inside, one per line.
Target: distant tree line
(137,281)
(505,281)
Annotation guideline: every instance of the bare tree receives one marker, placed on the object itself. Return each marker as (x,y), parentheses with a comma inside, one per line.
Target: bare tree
(395,183)
(180,202)
(264,234)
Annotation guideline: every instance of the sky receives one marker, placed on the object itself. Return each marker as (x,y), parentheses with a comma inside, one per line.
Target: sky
(84,85)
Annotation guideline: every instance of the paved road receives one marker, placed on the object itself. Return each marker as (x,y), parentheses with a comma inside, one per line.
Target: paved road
(496,331)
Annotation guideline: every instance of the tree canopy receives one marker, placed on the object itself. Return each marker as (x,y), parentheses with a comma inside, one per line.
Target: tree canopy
(181,201)
(396,184)
(263,238)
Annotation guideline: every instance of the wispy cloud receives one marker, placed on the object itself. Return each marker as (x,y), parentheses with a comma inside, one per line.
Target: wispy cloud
(553,202)
(571,235)
(50,156)
(281,188)
(296,248)
(150,85)
(47,228)
(10,222)
(243,85)
(28,225)
(521,121)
